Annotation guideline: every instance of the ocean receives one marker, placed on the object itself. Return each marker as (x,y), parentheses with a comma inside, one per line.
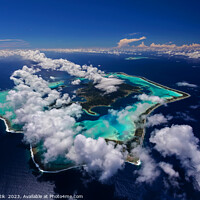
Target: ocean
(19,176)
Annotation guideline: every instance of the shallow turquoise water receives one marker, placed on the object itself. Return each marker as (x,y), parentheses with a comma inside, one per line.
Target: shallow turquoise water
(5,108)
(155,90)
(56,84)
(118,124)
(111,127)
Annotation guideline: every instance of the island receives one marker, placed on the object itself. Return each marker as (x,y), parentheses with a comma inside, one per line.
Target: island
(96,98)
(136,58)
(54,85)
(129,130)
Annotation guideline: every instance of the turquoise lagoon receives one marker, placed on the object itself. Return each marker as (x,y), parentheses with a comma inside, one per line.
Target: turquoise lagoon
(110,126)
(56,84)
(117,124)
(7,110)
(113,127)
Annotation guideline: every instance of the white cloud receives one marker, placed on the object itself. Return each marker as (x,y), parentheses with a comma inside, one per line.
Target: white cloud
(91,73)
(129,112)
(180,141)
(142,45)
(191,51)
(108,85)
(64,100)
(56,128)
(52,77)
(186,84)
(97,155)
(153,45)
(9,43)
(76,82)
(145,97)
(157,119)
(124,42)
(195,54)
(194,106)
(168,169)
(148,171)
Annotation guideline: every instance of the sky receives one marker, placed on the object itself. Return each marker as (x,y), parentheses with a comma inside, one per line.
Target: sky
(97,23)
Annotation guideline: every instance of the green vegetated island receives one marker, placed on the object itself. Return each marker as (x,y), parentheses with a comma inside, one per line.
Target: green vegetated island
(136,58)
(124,125)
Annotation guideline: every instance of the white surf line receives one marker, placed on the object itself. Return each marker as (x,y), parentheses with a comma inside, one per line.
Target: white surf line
(37,165)
(62,170)
(50,172)
(32,155)
(136,164)
(7,127)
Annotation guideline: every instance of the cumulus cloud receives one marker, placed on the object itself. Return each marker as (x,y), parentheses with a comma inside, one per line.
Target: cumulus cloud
(180,141)
(172,175)
(142,45)
(97,155)
(148,171)
(194,54)
(190,51)
(125,41)
(65,99)
(186,84)
(145,97)
(76,82)
(91,73)
(54,127)
(168,169)
(130,112)
(153,45)
(45,120)
(157,119)
(108,85)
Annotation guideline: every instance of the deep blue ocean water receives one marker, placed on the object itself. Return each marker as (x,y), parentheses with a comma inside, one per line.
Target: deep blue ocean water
(18,175)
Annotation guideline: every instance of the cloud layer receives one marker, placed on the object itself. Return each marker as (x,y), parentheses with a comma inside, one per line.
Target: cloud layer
(156,99)
(179,140)
(56,128)
(157,119)
(186,84)
(12,43)
(97,155)
(105,84)
(125,42)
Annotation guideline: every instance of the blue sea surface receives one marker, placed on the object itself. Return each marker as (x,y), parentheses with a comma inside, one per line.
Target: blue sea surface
(18,174)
